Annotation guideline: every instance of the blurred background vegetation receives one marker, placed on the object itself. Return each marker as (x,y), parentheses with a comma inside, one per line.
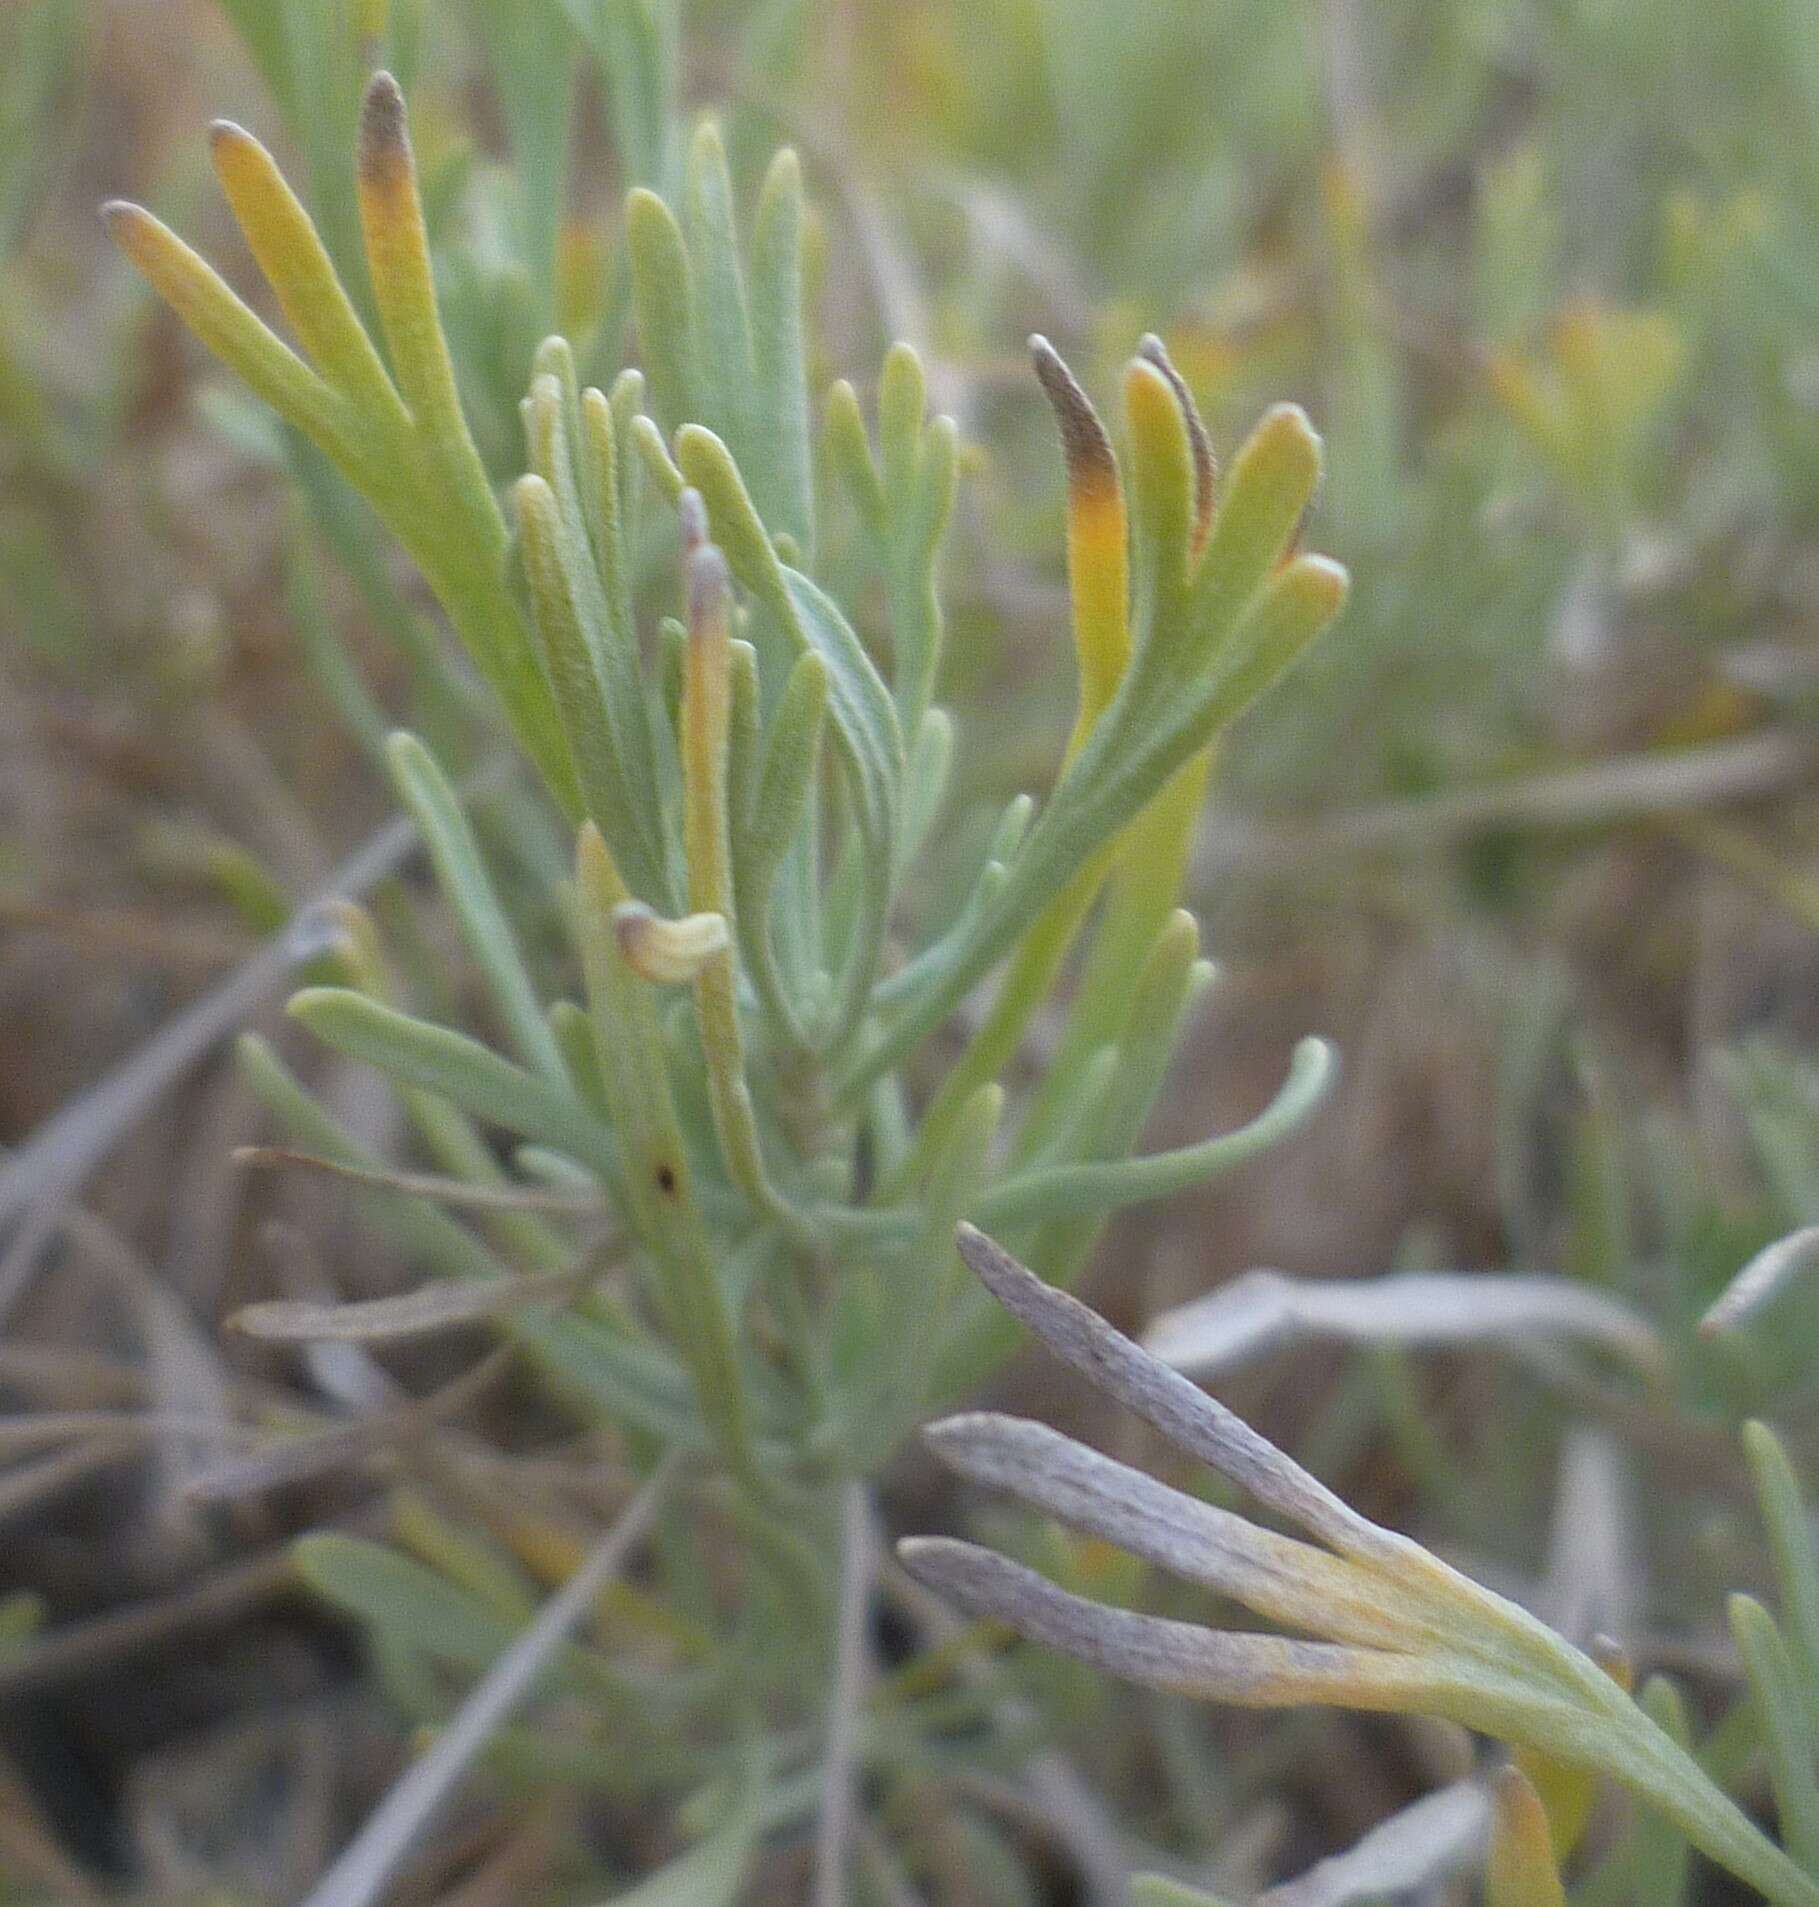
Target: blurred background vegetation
(1530,837)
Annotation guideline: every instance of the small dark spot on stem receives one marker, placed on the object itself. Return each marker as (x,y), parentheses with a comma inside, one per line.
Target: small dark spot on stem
(666,1180)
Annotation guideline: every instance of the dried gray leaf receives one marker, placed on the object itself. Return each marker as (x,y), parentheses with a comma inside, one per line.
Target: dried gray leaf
(1272,1575)
(1182,1412)
(1772,1268)
(1253,1671)
(1426,1842)
(1592,1586)
(1264,1310)
(293,1459)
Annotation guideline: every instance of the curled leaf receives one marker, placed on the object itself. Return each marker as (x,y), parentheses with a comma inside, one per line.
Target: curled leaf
(668,952)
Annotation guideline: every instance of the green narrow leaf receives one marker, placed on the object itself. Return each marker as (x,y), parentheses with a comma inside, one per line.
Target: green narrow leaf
(1791,1543)
(413,1608)
(712,1872)
(849,452)
(931,763)
(1161,498)
(1662,1857)
(663,296)
(1156,1890)
(745,740)
(534,68)
(1266,492)
(572,445)
(770,808)
(581,700)
(459,1069)
(425,791)
(779,429)
(415,1225)
(1787,1726)
(1053,1192)
(722,338)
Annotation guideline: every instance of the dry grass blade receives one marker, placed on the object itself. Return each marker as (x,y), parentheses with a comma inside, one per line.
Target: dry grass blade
(1768,1272)
(858,1567)
(83,1647)
(432,1185)
(34,1430)
(359,1877)
(1593,1585)
(51,1166)
(311,1454)
(1264,1310)
(1412,1852)
(30,1484)
(412,1314)
(1621,789)
(70,1375)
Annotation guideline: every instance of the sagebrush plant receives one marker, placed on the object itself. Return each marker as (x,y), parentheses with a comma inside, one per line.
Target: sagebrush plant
(747,787)
(726,1223)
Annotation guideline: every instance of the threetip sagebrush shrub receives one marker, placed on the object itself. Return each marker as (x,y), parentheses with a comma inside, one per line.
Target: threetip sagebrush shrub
(722,1105)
